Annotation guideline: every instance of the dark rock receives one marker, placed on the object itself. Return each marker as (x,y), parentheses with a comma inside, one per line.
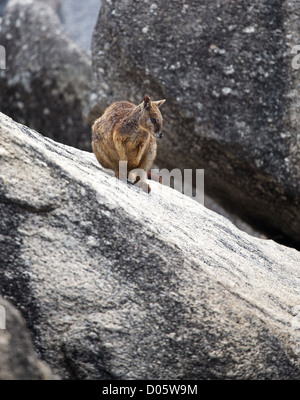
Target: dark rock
(232,95)
(115,283)
(18,360)
(55,4)
(47,78)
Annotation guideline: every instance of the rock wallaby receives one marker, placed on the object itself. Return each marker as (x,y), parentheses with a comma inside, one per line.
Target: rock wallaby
(126,132)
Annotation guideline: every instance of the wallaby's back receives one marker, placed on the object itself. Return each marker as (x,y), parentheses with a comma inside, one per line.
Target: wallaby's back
(102,133)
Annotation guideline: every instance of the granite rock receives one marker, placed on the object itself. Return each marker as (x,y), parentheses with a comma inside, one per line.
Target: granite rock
(47,79)
(18,360)
(116,283)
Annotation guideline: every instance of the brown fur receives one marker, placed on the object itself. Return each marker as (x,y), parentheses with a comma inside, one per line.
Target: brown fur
(125,132)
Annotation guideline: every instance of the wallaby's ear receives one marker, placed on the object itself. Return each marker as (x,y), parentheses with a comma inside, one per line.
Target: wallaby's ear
(159,102)
(147,101)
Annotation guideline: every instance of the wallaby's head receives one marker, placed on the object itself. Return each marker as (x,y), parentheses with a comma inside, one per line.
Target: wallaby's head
(151,119)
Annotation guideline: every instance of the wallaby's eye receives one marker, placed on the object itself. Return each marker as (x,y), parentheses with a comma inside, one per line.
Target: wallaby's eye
(153,120)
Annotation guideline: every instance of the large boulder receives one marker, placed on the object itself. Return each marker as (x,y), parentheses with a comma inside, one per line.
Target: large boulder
(47,79)
(116,283)
(18,360)
(232,95)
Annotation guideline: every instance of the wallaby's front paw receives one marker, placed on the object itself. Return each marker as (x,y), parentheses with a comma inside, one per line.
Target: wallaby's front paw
(144,186)
(135,164)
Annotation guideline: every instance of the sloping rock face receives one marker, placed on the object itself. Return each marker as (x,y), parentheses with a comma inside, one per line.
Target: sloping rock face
(47,79)
(18,360)
(115,283)
(232,99)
